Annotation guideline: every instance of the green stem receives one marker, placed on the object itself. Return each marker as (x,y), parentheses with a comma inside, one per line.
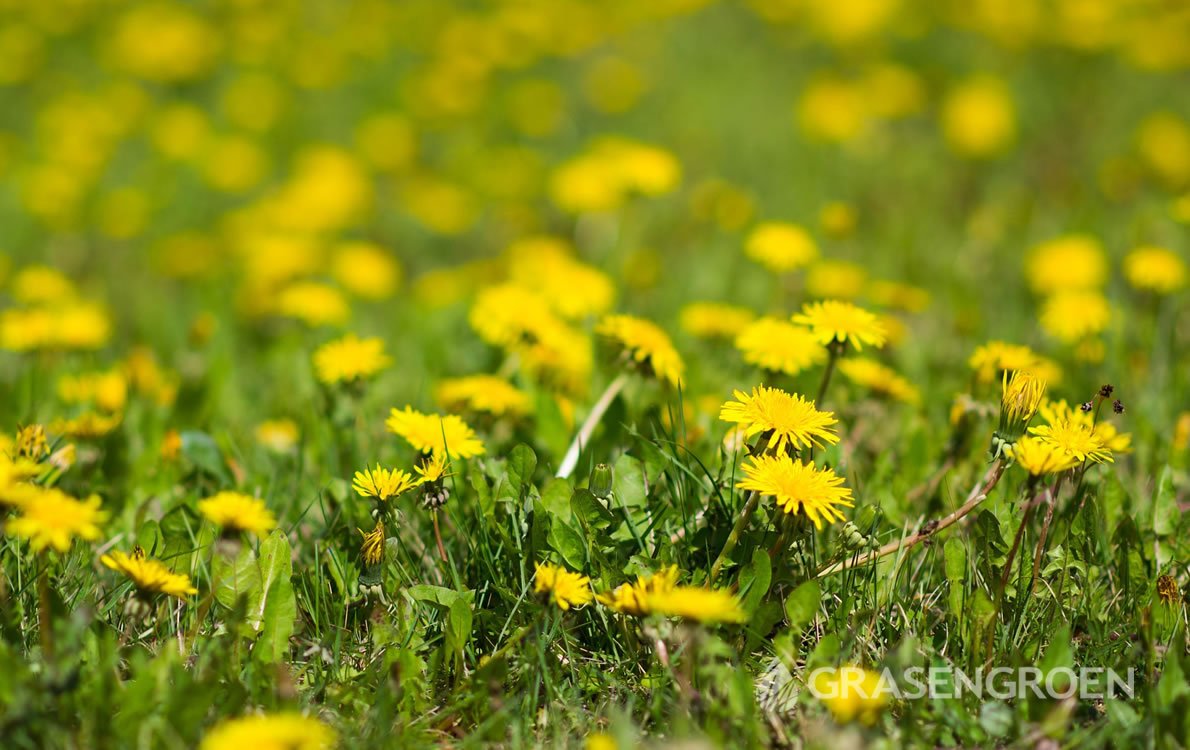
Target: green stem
(835,348)
(736,532)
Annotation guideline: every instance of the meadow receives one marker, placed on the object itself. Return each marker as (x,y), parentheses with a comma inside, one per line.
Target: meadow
(594,374)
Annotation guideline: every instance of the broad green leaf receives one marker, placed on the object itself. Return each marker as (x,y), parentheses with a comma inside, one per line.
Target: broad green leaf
(802,605)
(277,611)
(439,595)
(201,449)
(755,579)
(237,578)
(569,544)
(521,464)
(555,498)
(459,623)
(629,482)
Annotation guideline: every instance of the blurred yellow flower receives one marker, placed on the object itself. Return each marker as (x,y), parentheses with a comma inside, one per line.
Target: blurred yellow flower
(832,109)
(646,344)
(1075,315)
(781,247)
(851,693)
(41,285)
(107,390)
(714,319)
(1163,141)
(313,303)
(780,346)
(349,359)
(1073,261)
(991,360)
(547,266)
(282,731)
(836,279)
(1155,269)
(163,41)
(978,117)
(235,511)
(278,435)
(51,518)
(386,141)
(365,270)
(696,603)
(482,393)
(879,378)
(633,598)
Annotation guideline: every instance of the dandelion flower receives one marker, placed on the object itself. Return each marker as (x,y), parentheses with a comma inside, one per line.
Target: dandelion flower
(696,603)
(778,346)
(842,322)
(1020,397)
(709,320)
(874,376)
(978,118)
(278,435)
(788,419)
(1054,412)
(565,588)
(798,486)
(1075,440)
(382,484)
(434,433)
(284,731)
(836,279)
(349,358)
(1155,269)
(482,393)
(851,693)
(992,359)
(781,247)
(1039,457)
(1075,315)
(1067,263)
(235,511)
(632,598)
(372,547)
(54,519)
(149,576)
(646,344)
(313,303)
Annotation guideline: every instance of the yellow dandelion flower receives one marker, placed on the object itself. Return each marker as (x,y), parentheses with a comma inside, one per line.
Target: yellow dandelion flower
(710,320)
(780,346)
(1055,412)
(349,358)
(366,270)
(508,315)
(547,266)
(482,393)
(108,391)
(149,576)
(696,603)
(878,378)
(284,731)
(632,598)
(313,303)
(41,285)
(797,487)
(991,360)
(851,693)
(1074,439)
(836,279)
(1075,315)
(235,511)
(434,433)
(565,588)
(434,468)
(646,344)
(372,547)
(1021,395)
(1069,262)
(781,247)
(1039,457)
(278,435)
(979,118)
(843,322)
(382,484)
(789,420)
(1155,269)
(51,518)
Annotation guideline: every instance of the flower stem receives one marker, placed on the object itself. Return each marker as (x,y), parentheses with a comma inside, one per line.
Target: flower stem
(835,348)
(44,614)
(1045,531)
(438,537)
(978,494)
(584,434)
(733,538)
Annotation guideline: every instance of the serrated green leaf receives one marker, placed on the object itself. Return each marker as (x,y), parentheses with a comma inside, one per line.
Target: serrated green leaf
(276,612)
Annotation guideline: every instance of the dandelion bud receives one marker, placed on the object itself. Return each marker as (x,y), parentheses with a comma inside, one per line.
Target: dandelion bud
(1118,406)
(601,481)
(1022,394)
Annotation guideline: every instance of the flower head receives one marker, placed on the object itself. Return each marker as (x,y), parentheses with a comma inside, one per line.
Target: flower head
(284,731)
(483,393)
(372,547)
(382,484)
(646,344)
(992,359)
(1039,457)
(781,247)
(349,358)
(149,576)
(235,511)
(51,518)
(797,486)
(278,435)
(876,377)
(1155,269)
(565,588)
(1054,412)
(434,433)
(696,603)
(1021,395)
(790,420)
(1074,315)
(851,693)
(633,598)
(1067,263)
(714,319)
(1074,439)
(838,321)
(779,346)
